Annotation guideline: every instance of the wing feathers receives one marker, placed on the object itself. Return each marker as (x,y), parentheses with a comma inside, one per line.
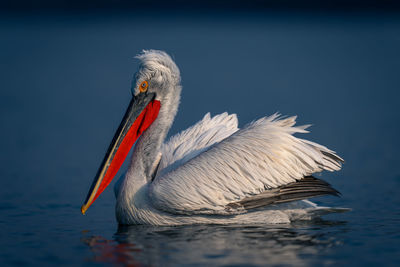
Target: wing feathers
(184,146)
(262,156)
(305,188)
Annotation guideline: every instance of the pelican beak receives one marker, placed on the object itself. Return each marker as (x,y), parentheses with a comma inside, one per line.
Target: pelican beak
(141,113)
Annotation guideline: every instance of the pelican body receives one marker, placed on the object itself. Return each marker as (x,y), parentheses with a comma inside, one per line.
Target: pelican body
(213,172)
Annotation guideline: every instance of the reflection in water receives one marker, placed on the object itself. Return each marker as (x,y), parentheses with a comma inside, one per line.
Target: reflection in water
(297,243)
(109,251)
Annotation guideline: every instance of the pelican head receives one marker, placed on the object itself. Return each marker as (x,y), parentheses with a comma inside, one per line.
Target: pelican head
(161,73)
(156,93)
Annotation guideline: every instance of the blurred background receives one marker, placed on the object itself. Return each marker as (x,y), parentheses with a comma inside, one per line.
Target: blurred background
(65,75)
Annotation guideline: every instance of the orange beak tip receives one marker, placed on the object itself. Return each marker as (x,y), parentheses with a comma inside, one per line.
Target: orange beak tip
(83,209)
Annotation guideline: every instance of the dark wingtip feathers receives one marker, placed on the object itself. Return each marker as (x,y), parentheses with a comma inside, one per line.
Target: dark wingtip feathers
(305,188)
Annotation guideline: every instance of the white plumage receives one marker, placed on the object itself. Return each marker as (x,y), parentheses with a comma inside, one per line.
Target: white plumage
(261,156)
(202,174)
(196,139)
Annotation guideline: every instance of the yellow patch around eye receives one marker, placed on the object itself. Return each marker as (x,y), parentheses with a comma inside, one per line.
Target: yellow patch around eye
(143,86)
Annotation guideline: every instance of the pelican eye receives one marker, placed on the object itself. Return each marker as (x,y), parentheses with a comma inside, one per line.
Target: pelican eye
(143,86)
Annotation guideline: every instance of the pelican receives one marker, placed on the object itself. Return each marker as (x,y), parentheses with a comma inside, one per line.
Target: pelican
(213,172)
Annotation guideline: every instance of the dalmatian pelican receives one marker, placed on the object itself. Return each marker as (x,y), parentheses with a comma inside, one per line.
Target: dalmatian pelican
(213,172)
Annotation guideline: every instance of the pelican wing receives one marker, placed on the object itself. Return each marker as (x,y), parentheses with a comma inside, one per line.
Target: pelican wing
(186,145)
(262,156)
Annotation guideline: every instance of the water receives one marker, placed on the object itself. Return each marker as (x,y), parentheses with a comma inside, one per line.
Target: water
(65,84)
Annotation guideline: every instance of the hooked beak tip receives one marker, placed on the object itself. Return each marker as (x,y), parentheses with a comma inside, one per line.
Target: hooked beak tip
(84,209)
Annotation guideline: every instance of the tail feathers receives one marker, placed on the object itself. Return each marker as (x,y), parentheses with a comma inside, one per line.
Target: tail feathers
(319,211)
